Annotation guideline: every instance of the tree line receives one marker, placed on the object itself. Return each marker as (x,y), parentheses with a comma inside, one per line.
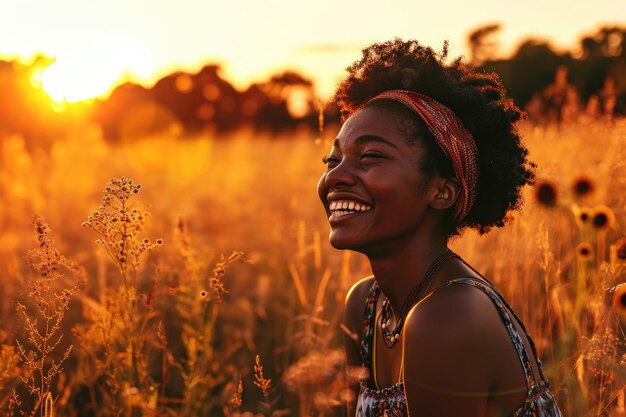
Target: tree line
(553,86)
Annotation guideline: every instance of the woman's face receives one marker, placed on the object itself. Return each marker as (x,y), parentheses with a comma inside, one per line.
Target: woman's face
(373,189)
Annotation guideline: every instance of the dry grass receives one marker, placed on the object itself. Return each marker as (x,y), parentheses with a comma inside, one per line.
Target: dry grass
(166,325)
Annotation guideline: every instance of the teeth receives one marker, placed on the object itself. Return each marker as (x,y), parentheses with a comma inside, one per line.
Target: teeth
(343,207)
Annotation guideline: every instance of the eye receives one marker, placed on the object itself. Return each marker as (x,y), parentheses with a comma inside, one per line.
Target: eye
(330,161)
(371,156)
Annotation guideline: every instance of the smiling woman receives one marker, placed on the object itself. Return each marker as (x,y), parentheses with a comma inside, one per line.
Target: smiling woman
(427,150)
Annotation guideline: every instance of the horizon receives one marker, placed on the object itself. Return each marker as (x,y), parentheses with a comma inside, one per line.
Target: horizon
(113,47)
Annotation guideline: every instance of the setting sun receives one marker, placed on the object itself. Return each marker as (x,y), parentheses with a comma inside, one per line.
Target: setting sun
(95,68)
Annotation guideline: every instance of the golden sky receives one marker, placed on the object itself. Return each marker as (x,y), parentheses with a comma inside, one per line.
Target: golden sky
(99,42)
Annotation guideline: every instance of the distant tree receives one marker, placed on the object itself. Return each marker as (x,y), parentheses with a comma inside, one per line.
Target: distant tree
(529,70)
(608,41)
(200,101)
(121,108)
(481,44)
(285,100)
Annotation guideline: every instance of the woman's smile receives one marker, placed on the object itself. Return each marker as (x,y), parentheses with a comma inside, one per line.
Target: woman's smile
(344,208)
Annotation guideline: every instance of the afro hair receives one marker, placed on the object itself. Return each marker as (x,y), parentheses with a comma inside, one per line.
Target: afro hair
(478,99)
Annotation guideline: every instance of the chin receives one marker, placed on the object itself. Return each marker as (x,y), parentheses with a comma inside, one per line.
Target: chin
(338,241)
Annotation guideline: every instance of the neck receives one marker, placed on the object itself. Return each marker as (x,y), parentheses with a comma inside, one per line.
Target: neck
(400,269)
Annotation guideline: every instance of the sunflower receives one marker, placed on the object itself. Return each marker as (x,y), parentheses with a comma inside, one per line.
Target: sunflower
(582,186)
(582,215)
(619,299)
(603,218)
(584,251)
(546,193)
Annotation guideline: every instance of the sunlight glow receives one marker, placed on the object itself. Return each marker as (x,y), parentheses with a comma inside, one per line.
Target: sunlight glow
(92,70)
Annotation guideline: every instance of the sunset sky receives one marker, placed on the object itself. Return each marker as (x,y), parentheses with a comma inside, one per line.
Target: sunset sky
(97,43)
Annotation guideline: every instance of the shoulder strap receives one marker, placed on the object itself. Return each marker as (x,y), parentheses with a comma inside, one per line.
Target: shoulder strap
(503,309)
(369,325)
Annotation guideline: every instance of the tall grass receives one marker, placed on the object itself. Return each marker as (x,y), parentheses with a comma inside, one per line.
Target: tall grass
(221,256)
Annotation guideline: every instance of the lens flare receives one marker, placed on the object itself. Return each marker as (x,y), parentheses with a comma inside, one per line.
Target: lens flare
(93,69)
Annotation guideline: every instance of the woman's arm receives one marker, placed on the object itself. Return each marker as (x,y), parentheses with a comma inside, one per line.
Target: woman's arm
(353,322)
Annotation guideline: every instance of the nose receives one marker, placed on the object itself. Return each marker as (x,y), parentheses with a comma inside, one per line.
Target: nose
(335,178)
(341,175)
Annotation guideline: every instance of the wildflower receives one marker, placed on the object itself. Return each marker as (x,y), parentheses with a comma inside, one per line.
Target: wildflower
(215,281)
(235,401)
(584,251)
(603,218)
(582,186)
(259,379)
(619,299)
(43,323)
(121,241)
(546,193)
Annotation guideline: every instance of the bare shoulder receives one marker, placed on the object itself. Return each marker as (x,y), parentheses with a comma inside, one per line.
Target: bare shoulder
(453,341)
(458,319)
(455,306)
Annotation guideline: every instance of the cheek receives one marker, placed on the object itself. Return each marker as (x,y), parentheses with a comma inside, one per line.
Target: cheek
(401,204)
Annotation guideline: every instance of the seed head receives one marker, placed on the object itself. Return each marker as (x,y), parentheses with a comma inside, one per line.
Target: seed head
(619,299)
(260,380)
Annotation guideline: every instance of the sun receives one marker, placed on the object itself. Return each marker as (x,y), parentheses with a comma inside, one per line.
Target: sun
(93,69)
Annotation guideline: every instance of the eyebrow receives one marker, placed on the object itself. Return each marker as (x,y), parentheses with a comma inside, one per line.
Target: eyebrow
(362,140)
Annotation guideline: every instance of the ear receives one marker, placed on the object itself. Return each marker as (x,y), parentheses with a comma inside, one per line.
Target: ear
(446,192)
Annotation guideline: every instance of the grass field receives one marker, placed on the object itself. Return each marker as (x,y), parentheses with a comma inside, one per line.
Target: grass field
(232,305)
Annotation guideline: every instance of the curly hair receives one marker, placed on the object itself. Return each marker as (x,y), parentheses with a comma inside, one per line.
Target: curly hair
(478,99)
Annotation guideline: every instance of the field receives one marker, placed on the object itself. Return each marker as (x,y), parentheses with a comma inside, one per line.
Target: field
(220,294)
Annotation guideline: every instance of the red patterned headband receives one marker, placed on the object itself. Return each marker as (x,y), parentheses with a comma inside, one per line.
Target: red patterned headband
(452,137)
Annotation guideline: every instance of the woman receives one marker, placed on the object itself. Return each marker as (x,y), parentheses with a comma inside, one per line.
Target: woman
(427,150)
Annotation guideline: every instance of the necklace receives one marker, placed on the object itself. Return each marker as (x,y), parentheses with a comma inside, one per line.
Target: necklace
(391,336)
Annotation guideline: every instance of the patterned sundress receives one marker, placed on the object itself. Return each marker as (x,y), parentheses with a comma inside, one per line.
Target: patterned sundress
(391,401)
